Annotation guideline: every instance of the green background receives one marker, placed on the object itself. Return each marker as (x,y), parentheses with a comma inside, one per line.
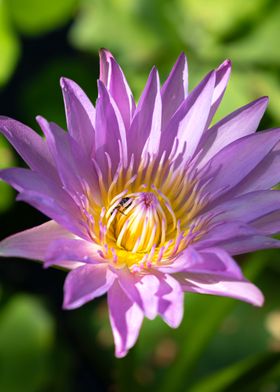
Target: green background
(222,344)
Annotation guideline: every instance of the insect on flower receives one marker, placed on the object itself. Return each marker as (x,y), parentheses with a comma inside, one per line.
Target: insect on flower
(123,205)
(148,201)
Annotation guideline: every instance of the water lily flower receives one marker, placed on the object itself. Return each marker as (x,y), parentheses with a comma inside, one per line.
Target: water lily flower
(147,201)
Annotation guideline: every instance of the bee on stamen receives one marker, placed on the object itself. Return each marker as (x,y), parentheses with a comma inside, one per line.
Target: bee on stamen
(123,205)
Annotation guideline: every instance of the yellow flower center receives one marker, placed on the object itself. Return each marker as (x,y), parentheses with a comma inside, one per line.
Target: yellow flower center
(139,223)
(146,218)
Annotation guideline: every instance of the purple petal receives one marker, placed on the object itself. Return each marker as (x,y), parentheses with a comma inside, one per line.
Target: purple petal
(142,290)
(46,196)
(188,123)
(104,62)
(126,319)
(249,207)
(224,231)
(175,89)
(171,301)
(244,155)
(155,293)
(72,250)
(85,283)
(74,166)
(29,145)
(222,77)
(242,122)
(144,134)
(268,224)
(265,175)
(215,260)
(33,243)
(205,261)
(241,245)
(80,114)
(219,285)
(114,80)
(110,131)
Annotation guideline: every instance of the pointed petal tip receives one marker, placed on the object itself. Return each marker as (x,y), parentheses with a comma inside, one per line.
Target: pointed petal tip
(105,53)
(67,306)
(153,76)
(225,65)
(71,305)
(154,71)
(120,353)
(63,82)
(41,120)
(182,58)
(258,299)
(264,98)
(182,55)
(46,264)
(66,83)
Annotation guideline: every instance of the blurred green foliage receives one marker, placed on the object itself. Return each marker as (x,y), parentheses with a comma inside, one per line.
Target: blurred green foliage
(34,17)
(9,46)
(144,32)
(26,339)
(222,345)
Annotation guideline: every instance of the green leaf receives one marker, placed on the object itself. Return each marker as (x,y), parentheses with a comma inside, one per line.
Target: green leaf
(26,341)
(250,374)
(37,17)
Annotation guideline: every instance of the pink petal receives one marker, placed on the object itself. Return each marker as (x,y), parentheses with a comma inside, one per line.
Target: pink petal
(85,283)
(126,319)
